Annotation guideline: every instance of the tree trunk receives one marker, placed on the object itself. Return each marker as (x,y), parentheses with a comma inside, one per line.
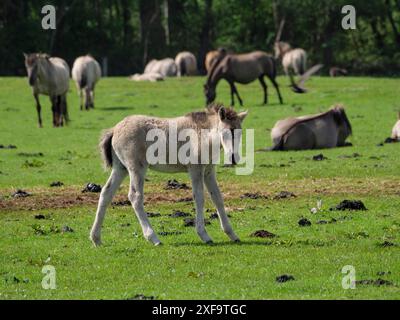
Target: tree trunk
(392,22)
(205,35)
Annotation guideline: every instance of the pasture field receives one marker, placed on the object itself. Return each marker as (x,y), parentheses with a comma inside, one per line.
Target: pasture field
(184,268)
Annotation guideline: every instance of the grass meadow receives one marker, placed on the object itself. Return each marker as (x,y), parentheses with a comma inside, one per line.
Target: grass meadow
(184,268)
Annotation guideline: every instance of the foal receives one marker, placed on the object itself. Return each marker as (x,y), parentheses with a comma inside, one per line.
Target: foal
(127,148)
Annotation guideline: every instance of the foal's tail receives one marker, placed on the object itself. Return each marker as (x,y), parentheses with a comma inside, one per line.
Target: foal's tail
(106,147)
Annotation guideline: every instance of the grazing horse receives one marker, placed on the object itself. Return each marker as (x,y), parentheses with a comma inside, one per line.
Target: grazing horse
(166,67)
(86,72)
(49,76)
(242,68)
(326,130)
(214,56)
(396,130)
(186,63)
(125,148)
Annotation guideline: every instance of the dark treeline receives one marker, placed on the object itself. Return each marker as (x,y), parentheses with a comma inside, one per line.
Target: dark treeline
(131,32)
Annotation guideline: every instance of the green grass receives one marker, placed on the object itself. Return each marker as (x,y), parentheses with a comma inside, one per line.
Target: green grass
(184,268)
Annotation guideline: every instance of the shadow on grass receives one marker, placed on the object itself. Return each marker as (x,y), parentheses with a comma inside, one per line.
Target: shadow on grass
(223,243)
(116,108)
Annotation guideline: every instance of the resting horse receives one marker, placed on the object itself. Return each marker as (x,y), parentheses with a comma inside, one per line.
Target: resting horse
(49,76)
(186,63)
(126,148)
(242,68)
(166,67)
(326,130)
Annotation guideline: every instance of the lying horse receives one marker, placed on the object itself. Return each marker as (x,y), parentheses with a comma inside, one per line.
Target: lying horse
(166,67)
(125,148)
(49,76)
(242,68)
(396,130)
(326,130)
(86,72)
(186,63)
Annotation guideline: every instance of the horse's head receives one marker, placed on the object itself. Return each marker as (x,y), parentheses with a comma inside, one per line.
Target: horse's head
(32,64)
(281,48)
(230,131)
(210,94)
(342,122)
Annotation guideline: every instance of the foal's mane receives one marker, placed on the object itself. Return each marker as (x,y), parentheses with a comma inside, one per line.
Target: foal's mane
(212,110)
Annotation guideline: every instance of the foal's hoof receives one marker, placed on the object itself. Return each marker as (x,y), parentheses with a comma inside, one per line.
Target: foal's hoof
(236,241)
(210,242)
(157,244)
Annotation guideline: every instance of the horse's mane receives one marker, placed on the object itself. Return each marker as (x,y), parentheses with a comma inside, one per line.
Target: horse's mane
(222,53)
(339,116)
(212,109)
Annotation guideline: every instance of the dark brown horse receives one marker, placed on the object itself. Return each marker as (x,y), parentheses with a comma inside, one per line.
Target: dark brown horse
(242,68)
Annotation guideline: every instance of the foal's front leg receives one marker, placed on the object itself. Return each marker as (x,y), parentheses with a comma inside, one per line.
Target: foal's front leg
(197,176)
(216,197)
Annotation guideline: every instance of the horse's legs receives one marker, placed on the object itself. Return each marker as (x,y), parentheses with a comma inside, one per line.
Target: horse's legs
(265,88)
(197,176)
(107,193)
(64,109)
(273,80)
(38,109)
(81,98)
(54,109)
(216,197)
(136,198)
(237,94)
(87,98)
(92,98)
(232,94)
(60,104)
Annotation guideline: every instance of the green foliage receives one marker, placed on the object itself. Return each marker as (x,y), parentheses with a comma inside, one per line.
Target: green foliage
(131,32)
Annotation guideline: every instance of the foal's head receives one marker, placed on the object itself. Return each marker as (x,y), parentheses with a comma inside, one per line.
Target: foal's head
(32,64)
(229,129)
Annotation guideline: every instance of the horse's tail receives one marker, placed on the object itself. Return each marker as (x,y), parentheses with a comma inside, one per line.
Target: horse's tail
(106,147)
(303,63)
(83,80)
(182,67)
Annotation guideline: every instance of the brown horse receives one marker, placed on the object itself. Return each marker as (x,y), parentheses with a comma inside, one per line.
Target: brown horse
(213,57)
(242,68)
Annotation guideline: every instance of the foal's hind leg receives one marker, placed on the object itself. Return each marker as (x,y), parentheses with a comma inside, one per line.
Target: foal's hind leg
(216,197)
(197,176)
(107,193)
(136,197)
(265,88)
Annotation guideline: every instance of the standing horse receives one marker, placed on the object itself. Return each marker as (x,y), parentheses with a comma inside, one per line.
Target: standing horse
(242,68)
(293,60)
(49,76)
(186,63)
(86,72)
(125,149)
(213,57)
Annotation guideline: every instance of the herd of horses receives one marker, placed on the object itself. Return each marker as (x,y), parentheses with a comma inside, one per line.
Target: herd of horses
(124,147)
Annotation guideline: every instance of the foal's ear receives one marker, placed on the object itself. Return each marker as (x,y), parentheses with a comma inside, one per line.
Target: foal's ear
(222,113)
(242,115)
(25,55)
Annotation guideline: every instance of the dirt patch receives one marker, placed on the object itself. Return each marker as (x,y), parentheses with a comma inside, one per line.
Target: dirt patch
(284,278)
(319,157)
(67,229)
(20,194)
(153,214)
(284,195)
(253,196)
(179,214)
(56,184)
(377,283)
(92,187)
(263,234)
(10,146)
(186,199)
(191,222)
(122,203)
(39,217)
(141,297)
(353,205)
(387,244)
(354,155)
(170,233)
(303,222)
(175,185)
(30,154)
